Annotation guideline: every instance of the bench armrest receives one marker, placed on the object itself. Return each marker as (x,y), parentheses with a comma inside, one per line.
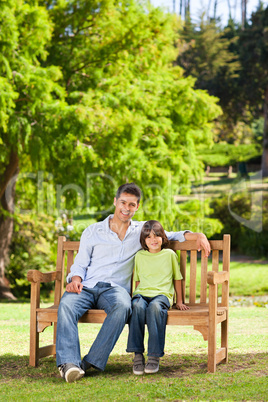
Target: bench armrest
(36,276)
(214,278)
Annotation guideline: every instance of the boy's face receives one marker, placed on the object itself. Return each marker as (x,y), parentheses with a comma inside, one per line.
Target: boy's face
(153,242)
(125,207)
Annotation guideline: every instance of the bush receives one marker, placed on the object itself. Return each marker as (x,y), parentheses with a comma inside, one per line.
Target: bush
(244,239)
(33,246)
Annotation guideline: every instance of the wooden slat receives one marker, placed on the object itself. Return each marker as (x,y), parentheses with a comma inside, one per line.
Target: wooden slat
(71,245)
(226,253)
(47,350)
(189,245)
(94,316)
(220,355)
(224,336)
(34,335)
(60,267)
(183,262)
(193,264)
(198,320)
(212,329)
(70,260)
(226,267)
(215,260)
(203,286)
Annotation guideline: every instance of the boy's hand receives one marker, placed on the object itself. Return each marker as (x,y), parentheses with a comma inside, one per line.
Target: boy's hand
(181,306)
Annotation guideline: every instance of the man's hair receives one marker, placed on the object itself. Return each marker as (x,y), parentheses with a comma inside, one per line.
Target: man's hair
(129,188)
(157,228)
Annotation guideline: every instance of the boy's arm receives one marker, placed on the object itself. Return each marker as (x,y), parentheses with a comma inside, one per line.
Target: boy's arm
(137,284)
(179,303)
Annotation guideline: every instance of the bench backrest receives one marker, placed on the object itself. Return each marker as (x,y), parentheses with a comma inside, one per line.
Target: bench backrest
(194,270)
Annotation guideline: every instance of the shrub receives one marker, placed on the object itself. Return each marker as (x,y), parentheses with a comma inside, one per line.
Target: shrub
(244,239)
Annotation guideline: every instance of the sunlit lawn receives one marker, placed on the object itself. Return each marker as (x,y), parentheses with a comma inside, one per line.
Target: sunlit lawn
(182,375)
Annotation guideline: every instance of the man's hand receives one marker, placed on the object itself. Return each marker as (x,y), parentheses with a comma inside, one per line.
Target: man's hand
(75,286)
(201,241)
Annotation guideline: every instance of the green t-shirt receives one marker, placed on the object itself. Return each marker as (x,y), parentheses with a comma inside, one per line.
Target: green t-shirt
(156,273)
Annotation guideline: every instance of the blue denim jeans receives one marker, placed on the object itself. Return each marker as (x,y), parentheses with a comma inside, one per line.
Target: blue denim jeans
(153,312)
(117,304)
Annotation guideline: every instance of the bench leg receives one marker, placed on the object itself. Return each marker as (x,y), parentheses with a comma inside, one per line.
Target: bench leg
(34,335)
(212,329)
(224,337)
(54,335)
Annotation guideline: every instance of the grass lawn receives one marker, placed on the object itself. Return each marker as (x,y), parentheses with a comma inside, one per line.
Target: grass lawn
(182,375)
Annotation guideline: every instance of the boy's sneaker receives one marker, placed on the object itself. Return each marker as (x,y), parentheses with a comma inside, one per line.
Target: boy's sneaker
(138,364)
(70,372)
(152,366)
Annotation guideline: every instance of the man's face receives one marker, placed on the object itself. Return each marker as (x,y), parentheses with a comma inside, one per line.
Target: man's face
(125,207)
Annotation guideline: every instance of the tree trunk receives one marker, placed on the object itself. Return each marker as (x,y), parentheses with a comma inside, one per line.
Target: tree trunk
(264,164)
(7,196)
(215,9)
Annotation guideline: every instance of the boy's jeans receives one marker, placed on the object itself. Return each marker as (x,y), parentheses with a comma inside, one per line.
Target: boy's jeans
(153,312)
(117,304)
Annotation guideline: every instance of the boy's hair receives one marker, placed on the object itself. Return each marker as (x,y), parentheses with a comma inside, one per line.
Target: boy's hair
(129,188)
(157,228)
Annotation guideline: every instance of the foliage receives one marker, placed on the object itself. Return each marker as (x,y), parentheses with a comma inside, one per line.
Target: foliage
(129,95)
(90,99)
(34,246)
(30,95)
(231,63)
(194,215)
(244,239)
(224,154)
(116,85)
(205,55)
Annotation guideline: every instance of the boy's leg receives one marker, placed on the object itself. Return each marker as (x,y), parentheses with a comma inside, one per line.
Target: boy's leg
(156,319)
(116,302)
(72,307)
(137,322)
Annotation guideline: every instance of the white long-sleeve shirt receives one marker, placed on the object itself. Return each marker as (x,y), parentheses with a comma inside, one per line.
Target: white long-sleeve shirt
(103,257)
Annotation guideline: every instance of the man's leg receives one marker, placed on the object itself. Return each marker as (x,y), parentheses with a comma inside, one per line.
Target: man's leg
(117,304)
(156,319)
(72,307)
(137,322)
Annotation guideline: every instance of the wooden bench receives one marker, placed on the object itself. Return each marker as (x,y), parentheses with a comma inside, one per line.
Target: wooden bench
(205,313)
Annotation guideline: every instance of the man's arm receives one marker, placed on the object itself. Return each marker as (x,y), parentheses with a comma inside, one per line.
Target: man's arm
(201,241)
(83,257)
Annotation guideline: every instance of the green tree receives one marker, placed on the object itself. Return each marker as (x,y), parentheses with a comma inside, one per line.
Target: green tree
(30,99)
(253,53)
(118,111)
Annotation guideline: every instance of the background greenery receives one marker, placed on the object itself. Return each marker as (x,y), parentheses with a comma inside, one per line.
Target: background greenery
(97,93)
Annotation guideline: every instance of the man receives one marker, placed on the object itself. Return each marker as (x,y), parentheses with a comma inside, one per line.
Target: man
(100,278)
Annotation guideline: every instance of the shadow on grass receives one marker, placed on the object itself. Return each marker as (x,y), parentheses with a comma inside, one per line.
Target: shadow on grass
(120,366)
